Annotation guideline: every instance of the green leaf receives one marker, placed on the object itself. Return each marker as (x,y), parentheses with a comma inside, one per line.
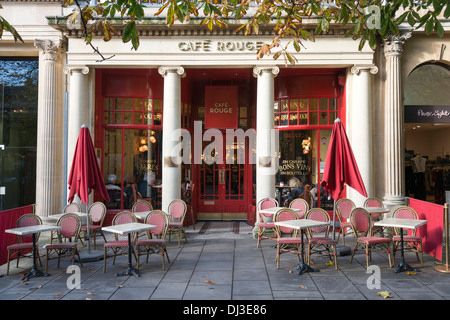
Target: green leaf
(439,29)
(135,41)
(429,27)
(128,31)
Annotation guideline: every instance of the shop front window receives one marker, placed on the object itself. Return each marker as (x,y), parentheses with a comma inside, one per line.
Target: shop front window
(132,151)
(304,133)
(18,131)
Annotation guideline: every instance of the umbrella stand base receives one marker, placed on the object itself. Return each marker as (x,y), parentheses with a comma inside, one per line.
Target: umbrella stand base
(343,250)
(95,255)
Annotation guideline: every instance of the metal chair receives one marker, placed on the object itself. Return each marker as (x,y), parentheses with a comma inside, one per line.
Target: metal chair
(287,238)
(314,241)
(361,223)
(411,241)
(155,242)
(265,220)
(97,213)
(177,212)
(300,204)
(23,246)
(70,224)
(69,208)
(141,206)
(344,207)
(119,246)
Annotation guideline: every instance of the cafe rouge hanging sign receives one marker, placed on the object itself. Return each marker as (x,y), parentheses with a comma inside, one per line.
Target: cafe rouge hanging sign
(221,107)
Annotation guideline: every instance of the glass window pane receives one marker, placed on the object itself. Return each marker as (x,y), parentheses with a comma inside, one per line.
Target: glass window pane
(303,104)
(284,119)
(108,117)
(138,104)
(313,118)
(284,105)
(323,119)
(157,105)
(293,119)
(128,118)
(128,104)
(148,105)
(118,104)
(303,118)
(118,117)
(323,104)
(109,103)
(293,105)
(138,118)
(333,104)
(312,104)
(157,119)
(112,169)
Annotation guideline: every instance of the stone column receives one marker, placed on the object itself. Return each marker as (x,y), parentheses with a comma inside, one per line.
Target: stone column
(266,136)
(78,110)
(394,139)
(50,182)
(171,171)
(361,128)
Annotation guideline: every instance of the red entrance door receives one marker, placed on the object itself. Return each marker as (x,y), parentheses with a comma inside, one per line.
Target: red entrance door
(224,177)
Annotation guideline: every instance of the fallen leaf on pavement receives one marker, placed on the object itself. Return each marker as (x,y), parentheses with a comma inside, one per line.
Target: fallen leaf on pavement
(91,293)
(331,263)
(384,294)
(304,287)
(210,282)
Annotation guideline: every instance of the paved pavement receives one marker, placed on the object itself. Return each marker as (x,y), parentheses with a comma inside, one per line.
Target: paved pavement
(222,264)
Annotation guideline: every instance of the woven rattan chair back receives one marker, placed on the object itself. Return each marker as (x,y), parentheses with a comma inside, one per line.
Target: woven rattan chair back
(122,218)
(361,222)
(344,207)
(177,210)
(28,220)
(285,215)
(160,219)
(300,204)
(373,203)
(266,204)
(318,214)
(141,206)
(72,207)
(405,212)
(97,213)
(70,224)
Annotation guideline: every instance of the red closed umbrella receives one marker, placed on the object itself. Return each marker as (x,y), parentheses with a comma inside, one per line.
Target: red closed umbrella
(340,166)
(85,174)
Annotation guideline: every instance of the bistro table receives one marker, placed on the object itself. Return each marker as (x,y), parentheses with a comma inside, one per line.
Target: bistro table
(128,229)
(22,231)
(402,224)
(141,215)
(274,210)
(53,218)
(302,224)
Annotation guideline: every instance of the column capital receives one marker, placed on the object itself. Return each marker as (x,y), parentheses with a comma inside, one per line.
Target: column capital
(258,70)
(393,44)
(70,69)
(356,69)
(164,70)
(51,48)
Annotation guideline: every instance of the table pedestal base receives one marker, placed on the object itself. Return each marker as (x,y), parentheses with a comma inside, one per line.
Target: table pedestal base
(34,272)
(129,271)
(303,267)
(402,266)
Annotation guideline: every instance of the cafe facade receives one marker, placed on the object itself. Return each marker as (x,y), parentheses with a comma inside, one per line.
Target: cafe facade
(196,109)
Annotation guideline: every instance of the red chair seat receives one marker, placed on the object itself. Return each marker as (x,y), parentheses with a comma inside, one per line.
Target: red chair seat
(346,224)
(91,227)
(289,240)
(267,225)
(407,238)
(20,246)
(151,242)
(175,224)
(65,245)
(119,243)
(373,240)
(322,240)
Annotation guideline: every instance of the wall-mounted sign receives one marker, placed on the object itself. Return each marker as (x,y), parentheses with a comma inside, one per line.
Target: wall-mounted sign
(427,114)
(221,107)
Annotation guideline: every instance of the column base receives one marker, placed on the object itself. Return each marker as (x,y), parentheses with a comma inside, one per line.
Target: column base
(394,201)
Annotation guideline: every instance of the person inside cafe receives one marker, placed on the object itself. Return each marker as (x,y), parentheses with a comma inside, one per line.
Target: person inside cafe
(296,191)
(113,192)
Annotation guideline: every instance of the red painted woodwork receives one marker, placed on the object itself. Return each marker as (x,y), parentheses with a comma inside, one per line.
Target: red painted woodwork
(8,220)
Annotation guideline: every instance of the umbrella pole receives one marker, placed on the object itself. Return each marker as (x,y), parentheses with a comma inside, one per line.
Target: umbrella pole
(87,229)
(334,219)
